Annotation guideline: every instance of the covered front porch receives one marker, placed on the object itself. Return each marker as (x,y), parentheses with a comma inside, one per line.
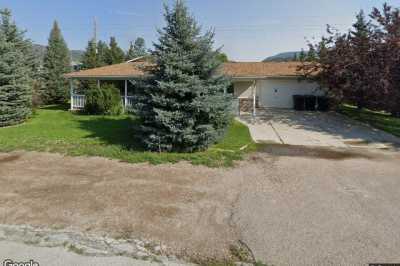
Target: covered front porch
(78,98)
(124,76)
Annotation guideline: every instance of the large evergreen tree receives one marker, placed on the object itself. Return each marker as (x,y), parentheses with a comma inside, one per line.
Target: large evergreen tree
(102,52)
(96,55)
(183,107)
(136,49)
(16,70)
(115,54)
(89,58)
(57,62)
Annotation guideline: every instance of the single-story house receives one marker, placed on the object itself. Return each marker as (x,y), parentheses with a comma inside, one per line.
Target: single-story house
(255,84)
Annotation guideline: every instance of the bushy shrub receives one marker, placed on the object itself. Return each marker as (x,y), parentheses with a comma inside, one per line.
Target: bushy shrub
(103,101)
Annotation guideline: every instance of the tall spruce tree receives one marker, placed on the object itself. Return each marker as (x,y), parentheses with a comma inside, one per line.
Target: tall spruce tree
(57,62)
(102,51)
(115,54)
(136,49)
(89,58)
(130,54)
(16,71)
(183,108)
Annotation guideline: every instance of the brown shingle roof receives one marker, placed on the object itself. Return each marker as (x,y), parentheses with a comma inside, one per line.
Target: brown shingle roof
(260,69)
(123,70)
(235,70)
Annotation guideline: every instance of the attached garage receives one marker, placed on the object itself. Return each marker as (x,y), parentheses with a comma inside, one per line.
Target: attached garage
(268,85)
(279,93)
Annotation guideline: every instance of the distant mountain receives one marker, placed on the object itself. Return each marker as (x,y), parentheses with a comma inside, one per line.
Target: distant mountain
(40,51)
(283,57)
(76,55)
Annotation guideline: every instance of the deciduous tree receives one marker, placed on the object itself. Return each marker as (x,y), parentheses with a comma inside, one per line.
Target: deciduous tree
(360,67)
(387,55)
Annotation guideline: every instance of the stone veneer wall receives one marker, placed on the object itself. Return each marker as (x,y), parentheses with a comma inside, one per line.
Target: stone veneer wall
(246,105)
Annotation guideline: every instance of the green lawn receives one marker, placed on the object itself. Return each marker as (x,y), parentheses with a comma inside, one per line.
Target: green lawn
(53,129)
(379,120)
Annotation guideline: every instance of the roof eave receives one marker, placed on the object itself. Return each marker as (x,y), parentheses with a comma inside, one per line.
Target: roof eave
(265,77)
(103,77)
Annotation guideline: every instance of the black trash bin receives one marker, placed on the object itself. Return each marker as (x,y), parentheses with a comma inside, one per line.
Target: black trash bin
(323,103)
(299,103)
(310,102)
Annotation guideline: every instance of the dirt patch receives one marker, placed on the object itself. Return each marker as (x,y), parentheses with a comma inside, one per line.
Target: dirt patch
(9,158)
(313,152)
(186,207)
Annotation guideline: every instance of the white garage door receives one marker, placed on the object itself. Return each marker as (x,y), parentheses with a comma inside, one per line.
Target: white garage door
(279,93)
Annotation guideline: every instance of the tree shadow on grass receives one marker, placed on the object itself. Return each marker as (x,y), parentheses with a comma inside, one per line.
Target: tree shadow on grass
(113,131)
(55,107)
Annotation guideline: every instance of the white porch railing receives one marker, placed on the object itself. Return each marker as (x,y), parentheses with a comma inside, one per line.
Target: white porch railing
(129,100)
(78,101)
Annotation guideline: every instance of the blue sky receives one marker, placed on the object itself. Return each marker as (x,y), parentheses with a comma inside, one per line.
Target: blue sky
(249,30)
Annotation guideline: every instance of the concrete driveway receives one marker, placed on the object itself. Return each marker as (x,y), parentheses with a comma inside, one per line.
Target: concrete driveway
(315,129)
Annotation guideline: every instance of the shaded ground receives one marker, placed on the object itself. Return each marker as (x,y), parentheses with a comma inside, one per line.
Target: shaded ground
(381,120)
(289,204)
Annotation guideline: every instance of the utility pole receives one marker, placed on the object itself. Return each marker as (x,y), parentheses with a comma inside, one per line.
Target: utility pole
(95,32)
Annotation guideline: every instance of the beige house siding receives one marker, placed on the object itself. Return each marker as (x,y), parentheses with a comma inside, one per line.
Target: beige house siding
(243,89)
(273,92)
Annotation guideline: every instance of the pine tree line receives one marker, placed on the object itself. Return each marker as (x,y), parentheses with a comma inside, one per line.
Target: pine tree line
(101,54)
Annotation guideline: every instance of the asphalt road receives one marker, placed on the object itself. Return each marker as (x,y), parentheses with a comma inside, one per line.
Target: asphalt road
(313,211)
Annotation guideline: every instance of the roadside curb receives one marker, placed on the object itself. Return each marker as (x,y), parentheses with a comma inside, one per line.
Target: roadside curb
(89,245)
